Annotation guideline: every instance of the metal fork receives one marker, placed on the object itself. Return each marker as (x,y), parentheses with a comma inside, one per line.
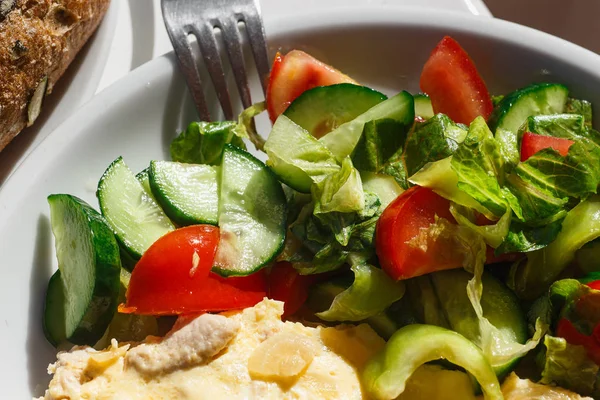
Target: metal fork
(200,18)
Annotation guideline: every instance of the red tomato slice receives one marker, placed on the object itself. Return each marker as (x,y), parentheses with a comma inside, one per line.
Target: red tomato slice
(287,285)
(569,332)
(453,84)
(532,143)
(594,285)
(295,73)
(402,221)
(174,277)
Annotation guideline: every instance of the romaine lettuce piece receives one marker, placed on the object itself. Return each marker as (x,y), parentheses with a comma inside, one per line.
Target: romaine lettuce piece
(380,140)
(297,157)
(531,277)
(340,191)
(432,140)
(480,168)
(203,142)
(569,366)
(370,294)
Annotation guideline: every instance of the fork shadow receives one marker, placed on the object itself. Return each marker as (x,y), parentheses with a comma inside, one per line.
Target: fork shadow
(39,351)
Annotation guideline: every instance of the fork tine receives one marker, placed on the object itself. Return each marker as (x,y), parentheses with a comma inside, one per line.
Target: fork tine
(184,54)
(258,42)
(205,34)
(232,40)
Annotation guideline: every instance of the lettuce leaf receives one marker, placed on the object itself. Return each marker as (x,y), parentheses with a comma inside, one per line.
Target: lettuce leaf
(531,277)
(569,366)
(443,180)
(203,142)
(523,239)
(246,128)
(380,141)
(340,191)
(326,240)
(575,175)
(493,235)
(581,107)
(480,167)
(432,140)
(296,156)
(370,294)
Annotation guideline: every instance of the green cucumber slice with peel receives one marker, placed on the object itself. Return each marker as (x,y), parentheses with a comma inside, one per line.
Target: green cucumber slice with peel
(252,214)
(82,296)
(188,193)
(133,215)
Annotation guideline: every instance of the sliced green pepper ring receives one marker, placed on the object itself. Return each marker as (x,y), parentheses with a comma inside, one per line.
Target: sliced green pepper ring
(385,375)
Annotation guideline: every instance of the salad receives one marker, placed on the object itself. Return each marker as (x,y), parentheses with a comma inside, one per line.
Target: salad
(461,227)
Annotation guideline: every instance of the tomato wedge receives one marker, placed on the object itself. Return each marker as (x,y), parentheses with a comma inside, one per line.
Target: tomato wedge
(287,285)
(295,73)
(401,222)
(532,143)
(174,277)
(453,84)
(565,329)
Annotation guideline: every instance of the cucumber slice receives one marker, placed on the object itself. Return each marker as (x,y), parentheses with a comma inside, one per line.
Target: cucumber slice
(144,178)
(133,215)
(252,214)
(343,140)
(188,193)
(54,311)
(81,298)
(536,99)
(322,109)
(423,106)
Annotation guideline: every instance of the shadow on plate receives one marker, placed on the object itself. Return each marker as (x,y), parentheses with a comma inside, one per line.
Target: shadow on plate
(142,22)
(39,351)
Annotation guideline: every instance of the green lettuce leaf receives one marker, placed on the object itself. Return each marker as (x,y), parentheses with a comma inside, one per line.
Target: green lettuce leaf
(380,141)
(480,167)
(432,140)
(531,277)
(326,240)
(340,191)
(440,177)
(523,239)
(581,107)
(534,205)
(493,235)
(575,175)
(370,294)
(203,142)
(296,156)
(569,366)
(246,128)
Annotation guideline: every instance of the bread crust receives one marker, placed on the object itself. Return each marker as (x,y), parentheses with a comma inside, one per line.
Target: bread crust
(39,39)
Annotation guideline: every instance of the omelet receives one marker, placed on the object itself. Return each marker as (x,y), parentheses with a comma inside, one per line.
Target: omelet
(250,354)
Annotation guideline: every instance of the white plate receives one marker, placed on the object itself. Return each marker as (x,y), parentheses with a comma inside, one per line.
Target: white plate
(139,116)
(75,87)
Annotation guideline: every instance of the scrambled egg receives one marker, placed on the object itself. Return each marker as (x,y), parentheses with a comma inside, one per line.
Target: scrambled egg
(247,354)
